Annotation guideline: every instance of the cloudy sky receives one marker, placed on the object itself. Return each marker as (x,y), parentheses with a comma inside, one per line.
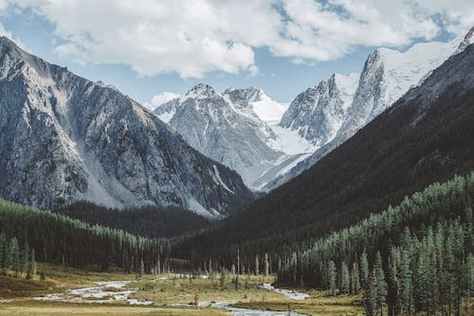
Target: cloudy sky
(152,49)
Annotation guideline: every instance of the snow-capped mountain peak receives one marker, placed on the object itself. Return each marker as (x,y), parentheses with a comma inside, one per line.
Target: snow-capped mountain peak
(386,76)
(201,91)
(318,112)
(257,101)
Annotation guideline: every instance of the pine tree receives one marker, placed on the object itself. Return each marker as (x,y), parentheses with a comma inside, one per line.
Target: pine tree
(405,283)
(364,269)
(345,278)
(257,265)
(381,283)
(332,275)
(355,279)
(210,266)
(15,256)
(421,294)
(142,267)
(267,265)
(33,267)
(370,296)
(393,292)
(238,261)
(3,253)
(25,258)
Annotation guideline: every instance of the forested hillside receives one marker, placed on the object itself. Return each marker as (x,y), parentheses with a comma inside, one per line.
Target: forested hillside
(415,257)
(59,239)
(150,222)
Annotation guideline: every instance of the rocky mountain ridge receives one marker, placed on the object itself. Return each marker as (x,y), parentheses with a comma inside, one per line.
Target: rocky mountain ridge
(64,138)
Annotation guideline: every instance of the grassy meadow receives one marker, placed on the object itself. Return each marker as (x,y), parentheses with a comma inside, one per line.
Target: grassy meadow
(171,294)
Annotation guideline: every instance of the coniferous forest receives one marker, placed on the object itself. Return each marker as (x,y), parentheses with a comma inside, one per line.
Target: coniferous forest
(59,239)
(416,257)
(150,222)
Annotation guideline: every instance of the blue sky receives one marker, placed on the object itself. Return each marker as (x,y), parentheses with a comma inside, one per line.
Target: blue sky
(248,48)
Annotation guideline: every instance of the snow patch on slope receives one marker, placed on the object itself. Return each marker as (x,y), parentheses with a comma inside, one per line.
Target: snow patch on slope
(267,109)
(347,85)
(219,181)
(289,141)
(404,70)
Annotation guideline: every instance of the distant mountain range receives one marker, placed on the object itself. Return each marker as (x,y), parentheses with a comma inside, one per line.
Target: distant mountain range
(238,127)
(386,76)
(64,138)
(424,137)
(235,127)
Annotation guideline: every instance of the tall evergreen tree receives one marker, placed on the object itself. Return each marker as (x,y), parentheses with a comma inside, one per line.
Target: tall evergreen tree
(332,278)
(267,265)
(4,247)
(345,278)
(257,265)
(364,269)
(355,278)
(406,287)
(33,267)
(370,296)
(381,283)
(15,256)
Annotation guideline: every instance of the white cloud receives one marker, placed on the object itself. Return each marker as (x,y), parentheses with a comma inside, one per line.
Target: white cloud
(161,98)
(196,37)
(188,37)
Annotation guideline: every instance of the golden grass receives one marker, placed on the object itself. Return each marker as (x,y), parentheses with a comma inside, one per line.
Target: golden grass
(317,304)
(54,309)
(173,290)
(65,277)
(165,290)
(13,287)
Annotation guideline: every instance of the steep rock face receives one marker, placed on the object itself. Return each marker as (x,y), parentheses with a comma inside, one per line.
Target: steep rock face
(386,76)
(167,110)
(466,41)
(318,112)
(64,138)
(226,130)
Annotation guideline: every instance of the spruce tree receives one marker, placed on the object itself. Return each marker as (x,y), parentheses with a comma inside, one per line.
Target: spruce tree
(345,278)
(267,265)
(364,269)
(33,266)
(355,279)
(257,265)
(422,292)
(370,295)
(15,256)
(405,283)
(381,283)
(3,253)
(25,258)
(332,275)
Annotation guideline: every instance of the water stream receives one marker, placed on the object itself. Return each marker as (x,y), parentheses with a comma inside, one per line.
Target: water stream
(118,292)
